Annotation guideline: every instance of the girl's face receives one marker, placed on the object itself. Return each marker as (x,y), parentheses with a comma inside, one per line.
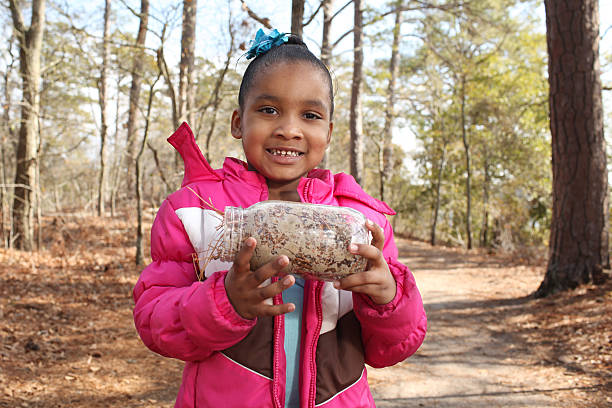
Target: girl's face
(285,123)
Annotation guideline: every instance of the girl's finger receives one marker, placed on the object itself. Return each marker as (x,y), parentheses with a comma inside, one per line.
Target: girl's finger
(275,288)
(371,253)
(275,310)
(271,268)
(371,284)
(355,280)
(243,257)
(378,235)
(365,289)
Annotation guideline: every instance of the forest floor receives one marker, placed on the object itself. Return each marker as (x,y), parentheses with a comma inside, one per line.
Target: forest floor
(67,338)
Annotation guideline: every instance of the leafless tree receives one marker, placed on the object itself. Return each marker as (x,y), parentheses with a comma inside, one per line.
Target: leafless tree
(326,49)
(137,67)
(30,45)
(356,120)
(7,138)
(297,17)
(386,166)
(139,179)
(186,65)
(102,98)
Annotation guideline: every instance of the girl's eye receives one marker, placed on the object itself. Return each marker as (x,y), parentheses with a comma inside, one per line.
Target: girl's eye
(268,109)
(312,116)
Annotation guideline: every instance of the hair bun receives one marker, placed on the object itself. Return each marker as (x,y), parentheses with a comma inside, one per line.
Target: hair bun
(296,40)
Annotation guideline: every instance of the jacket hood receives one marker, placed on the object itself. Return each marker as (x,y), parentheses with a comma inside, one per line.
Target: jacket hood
(196,166)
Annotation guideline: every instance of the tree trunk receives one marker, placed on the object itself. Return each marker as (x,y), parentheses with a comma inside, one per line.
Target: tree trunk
(390,109)
(30,45)
(186,88)
(139,210)
(38,197)
(484,229)
(3,195)
(356,121)
(137,67)
(119,158)
(468,169)
(297,17)
(326,48)
(8,133)
(102,88)
(578,246)
(434,223)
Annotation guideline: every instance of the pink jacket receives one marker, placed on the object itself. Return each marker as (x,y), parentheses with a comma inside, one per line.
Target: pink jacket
(234,362)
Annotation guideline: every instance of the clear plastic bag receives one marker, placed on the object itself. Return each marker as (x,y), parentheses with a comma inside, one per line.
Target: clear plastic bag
(314,237)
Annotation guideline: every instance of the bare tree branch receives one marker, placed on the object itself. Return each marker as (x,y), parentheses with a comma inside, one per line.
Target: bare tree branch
(158,165)
(85,33)
(422,5)
(265,21)
(341,9)
(215,98)
(17,20)
(163,68)
(313,14)
(136,13)
(342,38)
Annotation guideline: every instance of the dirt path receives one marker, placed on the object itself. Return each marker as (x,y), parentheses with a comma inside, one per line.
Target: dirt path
(469,357)
(67,336)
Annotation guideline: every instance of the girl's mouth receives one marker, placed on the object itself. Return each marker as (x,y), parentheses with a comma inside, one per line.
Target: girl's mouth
(285,153)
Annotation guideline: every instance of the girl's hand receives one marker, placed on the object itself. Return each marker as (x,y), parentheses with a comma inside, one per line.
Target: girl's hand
(376,281)
(245,288)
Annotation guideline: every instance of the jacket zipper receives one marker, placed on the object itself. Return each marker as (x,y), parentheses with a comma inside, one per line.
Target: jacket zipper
(306,191)
(276,372)
(312,394)
(313,349)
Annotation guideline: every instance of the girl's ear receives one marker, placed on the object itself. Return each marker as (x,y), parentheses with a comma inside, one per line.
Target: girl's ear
(236,124)
(329,134)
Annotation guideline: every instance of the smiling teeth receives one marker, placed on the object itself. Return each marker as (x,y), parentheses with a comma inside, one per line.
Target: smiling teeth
(285,152)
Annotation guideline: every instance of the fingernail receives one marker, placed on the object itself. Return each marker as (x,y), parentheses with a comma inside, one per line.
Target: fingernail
(287,280)
(283,261)
(336,284)
(369,222)
(353,248)
(250,242)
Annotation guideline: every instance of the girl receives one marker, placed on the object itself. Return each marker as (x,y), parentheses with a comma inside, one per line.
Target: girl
(260,338)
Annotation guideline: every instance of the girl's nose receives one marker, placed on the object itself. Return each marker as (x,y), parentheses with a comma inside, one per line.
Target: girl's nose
(289,128)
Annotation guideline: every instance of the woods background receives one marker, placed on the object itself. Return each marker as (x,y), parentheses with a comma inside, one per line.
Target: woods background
(443,106)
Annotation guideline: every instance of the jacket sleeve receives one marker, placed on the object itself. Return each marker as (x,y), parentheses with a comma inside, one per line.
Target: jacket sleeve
(392,332)
(176,315)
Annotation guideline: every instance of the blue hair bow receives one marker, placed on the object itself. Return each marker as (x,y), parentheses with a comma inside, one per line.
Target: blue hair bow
(264,42)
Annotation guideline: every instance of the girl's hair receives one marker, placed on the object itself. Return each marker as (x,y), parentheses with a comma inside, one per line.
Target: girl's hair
(293,50)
